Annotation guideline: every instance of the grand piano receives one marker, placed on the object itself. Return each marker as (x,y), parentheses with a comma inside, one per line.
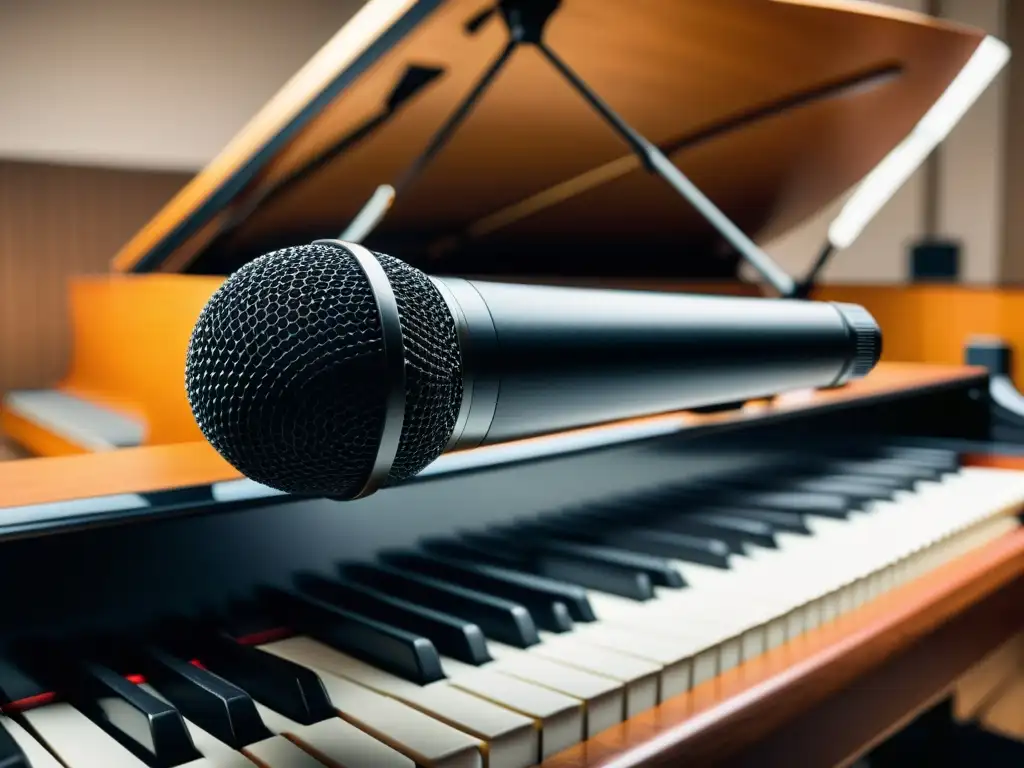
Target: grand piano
(780,582)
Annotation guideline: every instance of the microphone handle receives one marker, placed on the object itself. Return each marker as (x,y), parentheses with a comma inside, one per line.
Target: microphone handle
(540,359)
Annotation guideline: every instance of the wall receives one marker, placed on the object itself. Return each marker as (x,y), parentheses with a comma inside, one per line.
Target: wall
(56,221)
(108,107)
(963,183)
(147,83)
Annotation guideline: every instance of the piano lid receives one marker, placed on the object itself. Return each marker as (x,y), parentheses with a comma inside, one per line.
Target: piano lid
(772,107)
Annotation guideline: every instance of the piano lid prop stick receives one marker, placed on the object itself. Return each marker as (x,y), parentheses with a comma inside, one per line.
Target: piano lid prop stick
(878,187)
(526,22)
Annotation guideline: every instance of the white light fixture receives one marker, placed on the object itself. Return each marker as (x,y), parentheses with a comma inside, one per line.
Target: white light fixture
(881,183)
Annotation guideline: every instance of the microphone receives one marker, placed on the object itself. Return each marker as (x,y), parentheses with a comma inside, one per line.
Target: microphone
(329,370)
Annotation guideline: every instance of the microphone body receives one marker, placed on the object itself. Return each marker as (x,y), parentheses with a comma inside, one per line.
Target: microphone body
(329,370)
(540,359)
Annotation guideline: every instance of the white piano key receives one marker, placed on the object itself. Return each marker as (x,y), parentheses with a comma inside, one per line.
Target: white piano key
(639,675)
(38,756)
(76,740)
(604,698)
(332,742)
(673,655)
(279,752)
(562,715)
(427,741)
(512,738)
(844,579)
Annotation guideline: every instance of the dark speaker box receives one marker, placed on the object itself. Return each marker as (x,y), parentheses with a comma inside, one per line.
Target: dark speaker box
(935,261)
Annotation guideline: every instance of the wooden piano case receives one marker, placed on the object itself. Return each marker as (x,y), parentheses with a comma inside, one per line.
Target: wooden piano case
(772,107)
(821,699)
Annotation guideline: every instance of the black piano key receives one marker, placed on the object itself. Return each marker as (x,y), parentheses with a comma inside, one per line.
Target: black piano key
(240,620)
(936,458)
(783,522)
(640,536)
(628,583)
(576,527)
(553,605)
(147,726)
(734,531)
(672,544)
(17,684)
(11,755)
(461,549)
(658,570)
(283,686)
(452,636)
(218,707)
(832,505)
(500,619)
(406,654)
(859,488)
(911,473)
(612,578)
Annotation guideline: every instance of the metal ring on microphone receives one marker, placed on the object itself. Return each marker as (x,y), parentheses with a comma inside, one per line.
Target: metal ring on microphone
(394,359)
(478,341)
(462,331)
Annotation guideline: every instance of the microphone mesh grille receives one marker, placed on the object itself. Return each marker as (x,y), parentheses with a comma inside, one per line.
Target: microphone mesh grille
(287,379)
(433,368)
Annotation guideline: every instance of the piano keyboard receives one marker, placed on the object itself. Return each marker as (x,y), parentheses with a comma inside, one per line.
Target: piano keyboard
(503,646)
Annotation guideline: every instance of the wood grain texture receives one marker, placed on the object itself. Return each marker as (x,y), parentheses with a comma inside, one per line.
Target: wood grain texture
(128,470)
(135,470)
(756,713)
(57,222)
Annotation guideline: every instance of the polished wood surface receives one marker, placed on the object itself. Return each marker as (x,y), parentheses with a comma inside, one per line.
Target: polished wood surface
(791,696)
(1005,714)
(137,470)
(34,439)
(128,470)
(734,64)
(988,679)
(57,222)
(130,338)
(933,323)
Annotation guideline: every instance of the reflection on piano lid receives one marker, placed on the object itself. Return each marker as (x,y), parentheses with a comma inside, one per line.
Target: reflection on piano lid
(714,588)
(534,182)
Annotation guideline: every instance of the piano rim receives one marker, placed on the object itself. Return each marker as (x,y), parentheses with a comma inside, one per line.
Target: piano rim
(173,479)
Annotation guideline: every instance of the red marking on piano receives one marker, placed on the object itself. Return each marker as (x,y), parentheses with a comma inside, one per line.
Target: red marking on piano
(42,699)
(29,702)
(265,636)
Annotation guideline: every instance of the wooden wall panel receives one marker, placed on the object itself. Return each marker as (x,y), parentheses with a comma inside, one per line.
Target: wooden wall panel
(55,222)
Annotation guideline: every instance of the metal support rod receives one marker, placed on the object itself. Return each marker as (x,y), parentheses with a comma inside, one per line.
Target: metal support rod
(656,161)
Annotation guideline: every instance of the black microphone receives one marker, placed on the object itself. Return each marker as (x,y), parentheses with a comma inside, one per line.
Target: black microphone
(329,370)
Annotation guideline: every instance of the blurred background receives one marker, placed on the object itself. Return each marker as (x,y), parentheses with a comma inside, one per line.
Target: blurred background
(109,106)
